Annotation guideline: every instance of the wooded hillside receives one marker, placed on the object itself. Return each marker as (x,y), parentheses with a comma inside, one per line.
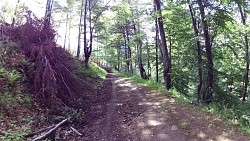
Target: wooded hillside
(55,65)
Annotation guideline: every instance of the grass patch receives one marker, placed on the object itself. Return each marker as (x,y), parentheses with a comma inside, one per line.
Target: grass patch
(237,114)
(149,83)
(93,71)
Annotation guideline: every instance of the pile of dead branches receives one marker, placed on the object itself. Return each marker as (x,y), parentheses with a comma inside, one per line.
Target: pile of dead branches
(53,79)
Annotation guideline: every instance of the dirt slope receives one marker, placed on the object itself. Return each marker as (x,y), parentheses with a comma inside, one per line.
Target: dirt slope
(128,112)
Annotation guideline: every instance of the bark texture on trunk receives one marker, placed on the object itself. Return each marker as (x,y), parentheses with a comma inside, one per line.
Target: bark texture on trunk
(85,31)
(246,77)
(196,32)
(48,13)
(165,54)
(79,32)
(139,55)
(207,97)
(66,30)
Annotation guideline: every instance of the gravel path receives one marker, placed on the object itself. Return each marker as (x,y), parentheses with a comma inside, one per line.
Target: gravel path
(128,112)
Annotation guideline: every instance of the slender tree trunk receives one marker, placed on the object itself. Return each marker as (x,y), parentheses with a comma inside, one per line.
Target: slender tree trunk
(139,56)
(69,37)
(196,32)
(91,29)
(156,51)
(126,51)
(140,65)
(209,86)
(85,31)
(66,29)
(246,77)
(2,36)
(79,31)
(48,13)
(170,54)
(148,60)
(166,59)
(118,58)
(129,62)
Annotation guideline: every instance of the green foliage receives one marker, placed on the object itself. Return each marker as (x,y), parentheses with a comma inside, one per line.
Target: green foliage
(236,113)
(12,137)
(13,76)
(2,72)
(92,72)
(149,83)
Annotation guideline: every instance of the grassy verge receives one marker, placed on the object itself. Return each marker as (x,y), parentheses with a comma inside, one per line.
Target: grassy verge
(89,73)
(237,112)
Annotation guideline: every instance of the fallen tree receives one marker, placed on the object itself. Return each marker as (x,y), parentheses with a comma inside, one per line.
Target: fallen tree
(53,79)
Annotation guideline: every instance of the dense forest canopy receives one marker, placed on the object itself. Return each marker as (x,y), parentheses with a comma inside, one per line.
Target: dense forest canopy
(199,48)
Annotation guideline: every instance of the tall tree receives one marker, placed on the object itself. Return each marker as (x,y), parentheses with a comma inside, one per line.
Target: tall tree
(85,29)
(166,59)
(209,84)
(242,6)
(48,13)
(66,31)
(156,51)
(92,5)
(139,52)
(198,50)
(80,28)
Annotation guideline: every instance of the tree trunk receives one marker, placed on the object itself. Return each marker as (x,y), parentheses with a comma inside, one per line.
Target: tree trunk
(209,86)
(48,13)
(79,31)
(118,58)
(91,29)
(85,31)
(166,59)
(69,37)
(126,51)
(170,54)
(148,60)
(156,50)
(129,53)
(66,29)
(196,32)
(139,55)
(246,77)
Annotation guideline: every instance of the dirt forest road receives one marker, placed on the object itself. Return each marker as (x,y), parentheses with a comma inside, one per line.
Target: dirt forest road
(128,112)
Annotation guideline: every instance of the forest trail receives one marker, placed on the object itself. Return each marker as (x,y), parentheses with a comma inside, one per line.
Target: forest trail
(129,112)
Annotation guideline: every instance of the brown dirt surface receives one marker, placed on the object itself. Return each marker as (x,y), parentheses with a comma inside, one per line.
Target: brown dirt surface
(125,111)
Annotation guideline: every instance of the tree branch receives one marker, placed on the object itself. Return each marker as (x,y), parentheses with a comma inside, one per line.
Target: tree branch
(51,131)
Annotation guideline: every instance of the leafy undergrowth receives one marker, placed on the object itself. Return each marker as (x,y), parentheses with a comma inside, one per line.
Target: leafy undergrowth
(229,108)
(18,112)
